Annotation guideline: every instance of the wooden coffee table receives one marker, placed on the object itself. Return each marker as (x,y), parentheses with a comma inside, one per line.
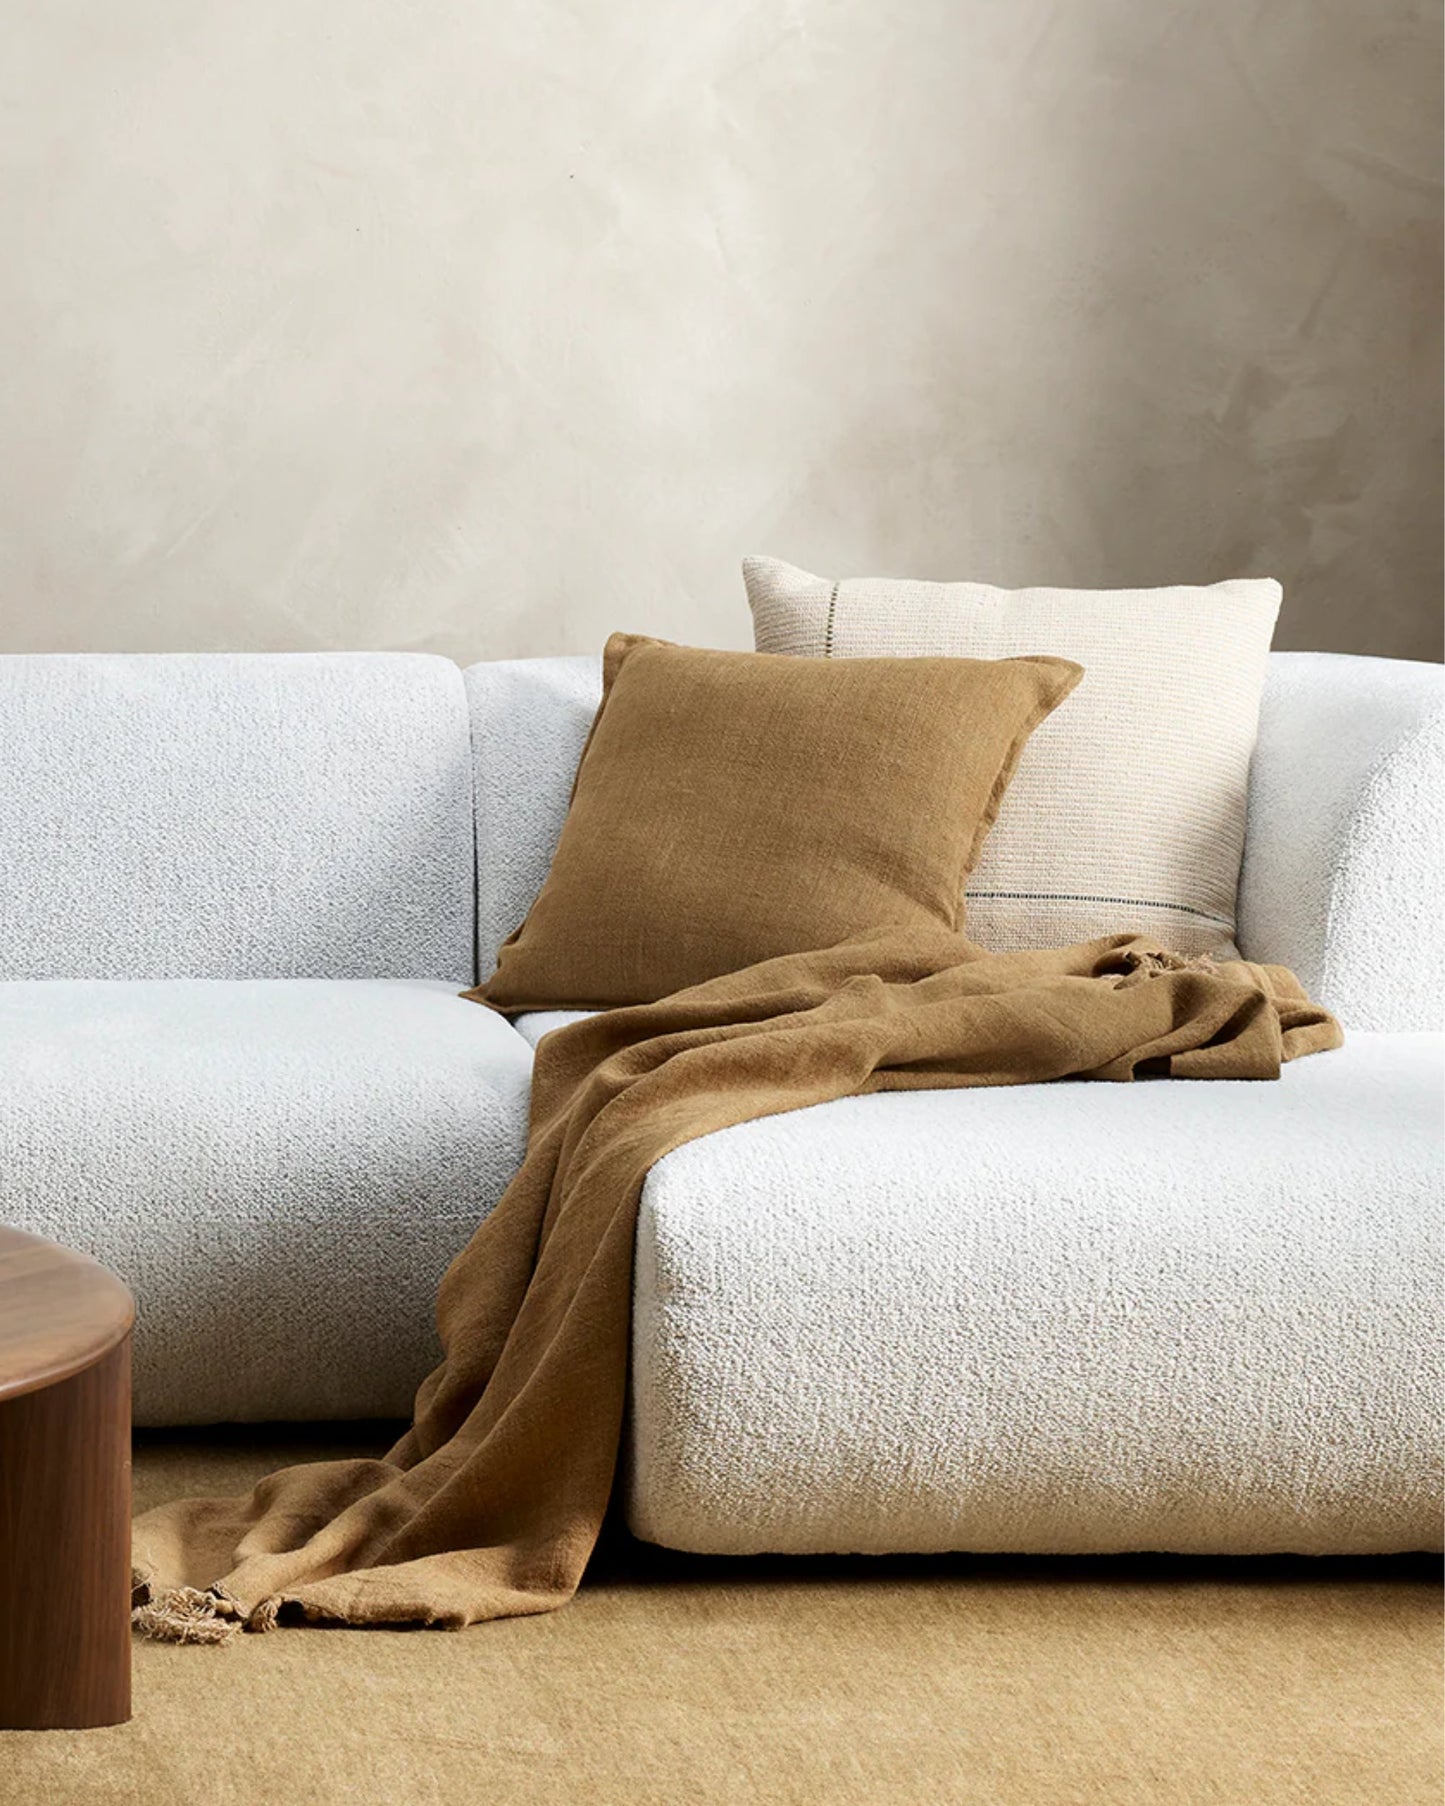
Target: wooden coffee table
(65,1325)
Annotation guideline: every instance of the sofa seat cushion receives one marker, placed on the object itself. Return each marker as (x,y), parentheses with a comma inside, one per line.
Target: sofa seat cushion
(280,1170)
(1076,1317)
(536,1023)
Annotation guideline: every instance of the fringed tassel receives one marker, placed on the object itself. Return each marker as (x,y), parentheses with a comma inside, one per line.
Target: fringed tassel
(195,1614)
(264,1616)
(187,1615)
(1136,962)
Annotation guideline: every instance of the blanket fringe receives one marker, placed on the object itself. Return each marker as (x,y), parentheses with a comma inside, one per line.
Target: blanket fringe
(1139,962)
(186,1615)
(265,1616)
(194,1614)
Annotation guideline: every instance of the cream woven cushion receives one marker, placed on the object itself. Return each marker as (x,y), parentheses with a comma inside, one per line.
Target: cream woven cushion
(1127,809)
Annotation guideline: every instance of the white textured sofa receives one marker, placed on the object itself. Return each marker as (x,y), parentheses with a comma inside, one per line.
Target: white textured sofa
(238,896)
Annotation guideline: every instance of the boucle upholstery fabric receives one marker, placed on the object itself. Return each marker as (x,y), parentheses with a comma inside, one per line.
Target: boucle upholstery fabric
(491,1503)
(1347,834)
(536,1023)
(1128,807)
(730,808)
(1076,1317)
(530,720)
(281,1171)
(235,816)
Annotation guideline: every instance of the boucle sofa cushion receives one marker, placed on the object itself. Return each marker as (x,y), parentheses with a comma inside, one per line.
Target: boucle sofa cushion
(729,808)
(1052,1318)
(235,815)
(1128,807)
(280,1170)
(1347,836)
(530,719)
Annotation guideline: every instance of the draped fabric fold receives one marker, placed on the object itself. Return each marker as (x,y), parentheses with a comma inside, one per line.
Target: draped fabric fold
(490,1504)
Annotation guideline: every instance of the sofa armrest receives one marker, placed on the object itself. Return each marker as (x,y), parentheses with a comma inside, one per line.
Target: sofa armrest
(1343,879)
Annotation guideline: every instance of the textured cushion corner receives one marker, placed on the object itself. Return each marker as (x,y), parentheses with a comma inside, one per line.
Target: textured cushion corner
(729,808)
(1128,808)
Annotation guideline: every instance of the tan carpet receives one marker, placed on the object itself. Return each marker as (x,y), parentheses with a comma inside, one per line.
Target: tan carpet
(684,1682)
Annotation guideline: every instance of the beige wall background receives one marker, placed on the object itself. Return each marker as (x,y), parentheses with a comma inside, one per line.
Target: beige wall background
(488,326)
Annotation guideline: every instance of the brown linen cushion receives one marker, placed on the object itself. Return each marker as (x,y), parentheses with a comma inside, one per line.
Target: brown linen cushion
(731,806)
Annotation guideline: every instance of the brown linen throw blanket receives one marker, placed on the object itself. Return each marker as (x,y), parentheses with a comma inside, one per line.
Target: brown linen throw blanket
(490,1504)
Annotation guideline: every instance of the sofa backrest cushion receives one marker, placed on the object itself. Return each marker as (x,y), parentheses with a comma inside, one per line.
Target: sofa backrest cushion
(530,718)
(288,815)
(1344,862)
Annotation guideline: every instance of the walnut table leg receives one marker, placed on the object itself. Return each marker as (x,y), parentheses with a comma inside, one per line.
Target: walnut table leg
(65,1550)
